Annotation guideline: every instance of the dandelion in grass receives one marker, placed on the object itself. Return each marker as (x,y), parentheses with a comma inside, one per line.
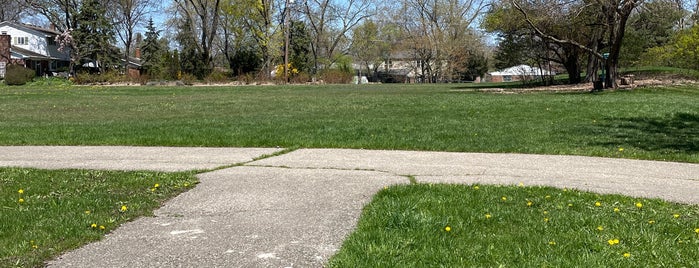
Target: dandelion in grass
(616,210)
(621,149)
(504,198)
(123,208)
(651,221)
(613,242)
(639,204)
(87,212)
(570,205)
(20,191)
(529,203)
(676,216)
(598,204)
(156,185)
(546,212)
(94,225)
(488,216)
(696,230)
(626,255)
(21,200)
(547,197)
(448,229)
(552,243)
(102,227)
(546,220)
(475,187)
(600,228)
(521,184)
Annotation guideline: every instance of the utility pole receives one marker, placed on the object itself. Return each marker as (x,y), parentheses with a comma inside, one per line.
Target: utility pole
(286,40)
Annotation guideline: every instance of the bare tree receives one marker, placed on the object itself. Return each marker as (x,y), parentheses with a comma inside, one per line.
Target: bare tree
(11,10)
(61,13)
(127,16)
(330,23)
(204,18)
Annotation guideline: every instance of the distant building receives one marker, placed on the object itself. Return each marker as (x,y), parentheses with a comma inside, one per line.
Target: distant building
(519,73)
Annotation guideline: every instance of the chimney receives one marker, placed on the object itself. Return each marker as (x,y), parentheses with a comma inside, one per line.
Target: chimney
(138,53)
(5,46)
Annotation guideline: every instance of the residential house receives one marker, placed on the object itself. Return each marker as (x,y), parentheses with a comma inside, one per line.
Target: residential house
(519,73)
(32,47)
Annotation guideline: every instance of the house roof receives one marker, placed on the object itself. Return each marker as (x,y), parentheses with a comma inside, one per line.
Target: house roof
(524,70)
(30,28)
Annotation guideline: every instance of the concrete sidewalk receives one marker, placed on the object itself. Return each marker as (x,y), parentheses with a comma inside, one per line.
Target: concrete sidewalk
(294,209)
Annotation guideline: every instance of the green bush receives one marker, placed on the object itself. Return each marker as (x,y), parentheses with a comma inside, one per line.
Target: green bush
(16,75)
(336,76)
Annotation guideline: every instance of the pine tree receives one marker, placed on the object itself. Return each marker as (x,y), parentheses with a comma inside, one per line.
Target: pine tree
(94,35)
(151,58)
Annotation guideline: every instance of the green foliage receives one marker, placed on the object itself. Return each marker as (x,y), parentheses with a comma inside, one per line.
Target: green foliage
(300,47)
(16,75)
(687,48)
(245,60)
(425,225)
(45,213)
(94,35)
(192,60)
(151,57)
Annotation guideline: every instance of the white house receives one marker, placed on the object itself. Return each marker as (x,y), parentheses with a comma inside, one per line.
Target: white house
(31,46)
(518,73)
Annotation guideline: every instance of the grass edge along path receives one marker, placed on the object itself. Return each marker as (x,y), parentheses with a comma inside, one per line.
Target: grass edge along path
(44,213)
(425,225)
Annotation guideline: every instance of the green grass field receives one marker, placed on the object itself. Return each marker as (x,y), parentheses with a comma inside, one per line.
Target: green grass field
(403,225)
(658,124)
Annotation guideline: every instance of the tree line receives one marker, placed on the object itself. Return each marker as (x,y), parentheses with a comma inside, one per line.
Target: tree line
(444,40)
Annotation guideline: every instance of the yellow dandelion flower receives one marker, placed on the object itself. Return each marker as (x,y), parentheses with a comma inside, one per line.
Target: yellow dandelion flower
(546,219)
(600,228)
(546,212)
(87,212)
(616,209)
(627,255)
(20,191)
(639,205)
(676,216)
(621,149)
(547,197)
(529,203)
(123,208)
(94,225)
(521,184)
(35,246)
(598,204)
(488,216)
(102,227)
(504,198)
(552,243)
(612,242)
(186,184)
(21,200)
(651,221)
(696,230)
(570,205)
(156,185)
(476,187)
(565,189)
(152,190)
(448,229)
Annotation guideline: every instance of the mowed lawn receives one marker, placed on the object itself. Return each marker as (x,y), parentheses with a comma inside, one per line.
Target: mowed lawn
(657,123)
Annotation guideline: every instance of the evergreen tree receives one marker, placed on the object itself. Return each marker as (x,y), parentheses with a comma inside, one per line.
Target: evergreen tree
(300,47)
(94,36)
(151,58)
(191,58)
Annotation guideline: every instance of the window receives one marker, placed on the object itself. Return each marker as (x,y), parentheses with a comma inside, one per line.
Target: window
(3,32)
(21,40)
(51,41)
(507,78)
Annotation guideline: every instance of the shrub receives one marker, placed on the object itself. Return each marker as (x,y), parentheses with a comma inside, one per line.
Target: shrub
(336,76)
(217,76)
(16,75)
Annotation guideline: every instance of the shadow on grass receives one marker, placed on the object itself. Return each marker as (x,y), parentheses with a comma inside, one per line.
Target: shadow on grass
(675,132)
